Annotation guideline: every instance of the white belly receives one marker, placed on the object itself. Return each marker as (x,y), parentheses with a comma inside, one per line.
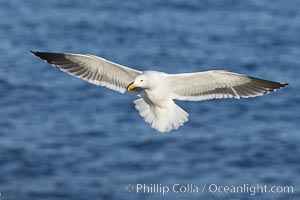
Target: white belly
(158,97)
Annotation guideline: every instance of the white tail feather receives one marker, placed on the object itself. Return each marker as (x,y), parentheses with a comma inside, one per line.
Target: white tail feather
(161,119)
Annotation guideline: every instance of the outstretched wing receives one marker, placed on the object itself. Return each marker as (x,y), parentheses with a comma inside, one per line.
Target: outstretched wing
(218,84)
(93,69)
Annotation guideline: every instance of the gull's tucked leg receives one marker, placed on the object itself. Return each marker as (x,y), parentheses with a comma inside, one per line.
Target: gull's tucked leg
(145,110)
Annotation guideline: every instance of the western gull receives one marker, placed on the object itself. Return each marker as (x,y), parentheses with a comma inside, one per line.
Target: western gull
(158,90)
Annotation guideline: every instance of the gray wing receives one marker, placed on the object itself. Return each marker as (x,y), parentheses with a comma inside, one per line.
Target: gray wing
(218,84)
(93,69)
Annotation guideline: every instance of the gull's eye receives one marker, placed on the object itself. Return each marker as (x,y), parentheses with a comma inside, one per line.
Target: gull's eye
(141,80)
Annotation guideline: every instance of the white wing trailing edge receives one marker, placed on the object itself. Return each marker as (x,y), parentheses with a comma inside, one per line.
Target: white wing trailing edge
(217,84)
(93,69)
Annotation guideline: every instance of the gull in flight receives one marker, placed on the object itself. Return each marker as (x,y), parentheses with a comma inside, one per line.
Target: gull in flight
(158,90)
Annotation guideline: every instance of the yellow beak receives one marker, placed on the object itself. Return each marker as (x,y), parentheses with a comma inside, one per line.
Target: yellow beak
(131,87)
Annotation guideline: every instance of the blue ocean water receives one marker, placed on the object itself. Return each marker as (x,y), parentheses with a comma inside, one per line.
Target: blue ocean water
(62,138)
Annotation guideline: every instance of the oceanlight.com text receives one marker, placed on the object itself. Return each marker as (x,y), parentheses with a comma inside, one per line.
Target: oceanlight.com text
(247,189)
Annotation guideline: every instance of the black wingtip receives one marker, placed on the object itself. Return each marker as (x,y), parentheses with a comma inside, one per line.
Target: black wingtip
(33,52)
(40,54)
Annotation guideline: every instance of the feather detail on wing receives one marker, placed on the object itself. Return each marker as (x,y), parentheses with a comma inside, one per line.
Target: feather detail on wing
(218,84)
(93,69)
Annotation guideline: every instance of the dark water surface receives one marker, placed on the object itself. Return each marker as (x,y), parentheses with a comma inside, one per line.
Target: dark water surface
(62,138)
